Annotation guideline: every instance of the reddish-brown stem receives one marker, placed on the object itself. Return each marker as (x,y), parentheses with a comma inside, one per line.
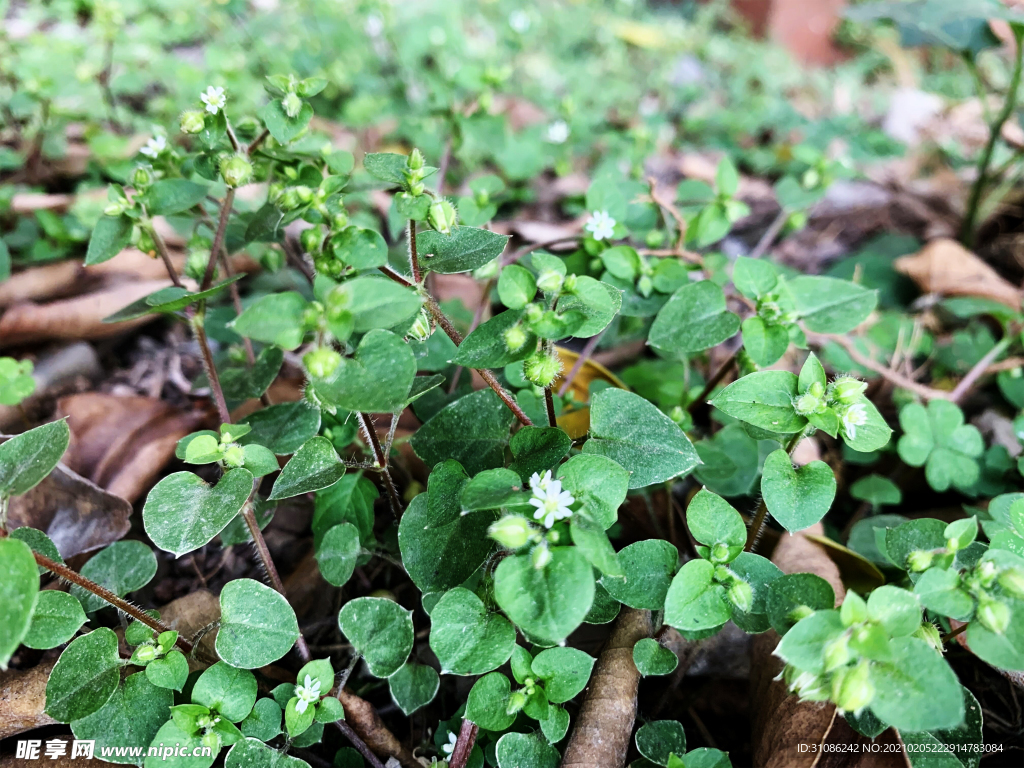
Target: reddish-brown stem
(588,350)
(464,745)
(257,141)
(549,402)
(233,139)
(165,256)
(370,435)
(414,257)
(714,381)
(455,336)
(211,371)
(218,238)
(959,630)
(360,745)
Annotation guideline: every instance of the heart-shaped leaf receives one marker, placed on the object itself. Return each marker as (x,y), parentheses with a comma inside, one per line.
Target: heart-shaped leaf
(414,686)
(282,428)
(26,459)
(466,248)
(130,718)
(376,380)
(56,619)
(182,512)
(257,626)
(84,677)
(467,639)
(18,596)
(314,466)
(797,498)
(694,319)
(122,567)
(381,630)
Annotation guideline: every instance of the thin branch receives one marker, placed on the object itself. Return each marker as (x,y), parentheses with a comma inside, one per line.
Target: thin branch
(165,255)
(370,435)
(549,402)
(464,745)
(360,745)
(770,234)
(218,238)
(232,138)
(211,370)
(714,381)
(585,354)
(981,367)
(257,142)
(672,211)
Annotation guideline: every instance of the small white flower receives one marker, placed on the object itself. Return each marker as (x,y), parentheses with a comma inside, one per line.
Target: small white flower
(540,482)
(854,416)
(154,146)
(519,21)
(374,25)
(551,501)
(558,132)
(307,693)
(601,226)
(450,746)
(214,99)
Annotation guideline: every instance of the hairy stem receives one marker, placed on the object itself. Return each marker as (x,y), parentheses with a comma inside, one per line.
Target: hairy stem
(757,524)
(714,381)
(414,257)
(161,248)
(464,745)
(218,238)
(198,329)
(370,435)
(549,402)
(967,232)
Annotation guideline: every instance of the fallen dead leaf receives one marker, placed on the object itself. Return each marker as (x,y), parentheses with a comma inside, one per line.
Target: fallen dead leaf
(188,615)
(123,443)
(22,698)
(946,267)
(75,513)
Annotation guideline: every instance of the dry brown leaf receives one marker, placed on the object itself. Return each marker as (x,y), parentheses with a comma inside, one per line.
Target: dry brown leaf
(22,699)
(365,721)
(605,721)
(188,615)
(123,443)
(76,514)
(946,267)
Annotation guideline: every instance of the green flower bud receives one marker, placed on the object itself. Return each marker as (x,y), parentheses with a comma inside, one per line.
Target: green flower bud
(799,613)
(234,456)
(142,177)
(678,415)
(808,686)
(145,653)
(723,575)
(994,616)
(192,121)
(212,740)
(837,653)
(853,610)
(797,220)
(550,281)
(116,208)
(807,404)
(442,216)
(511,531)
(930,634)
(720,553)
(321,362)
(920,560)
(541,555)
(852,689)
(415,161)
(289,199)
(305,194)
(516,702)
(292,105)
(195,264)
(541,368)
(569,284)
(311,238)
(422,328)
(1012,580)
(644,286)
(848,390)
(145,243)
(654,238)
(985,573)
(515,338)
(533,313)
(339,220)
(236,170)
(817,389)
(741,595)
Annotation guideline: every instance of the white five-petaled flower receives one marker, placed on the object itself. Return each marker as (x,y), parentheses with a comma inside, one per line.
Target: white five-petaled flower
(601,226)
(214,99)
(854,416)
(558,132)
(519,20)
(154,146)
(450,746)
(308,693)
(551,501)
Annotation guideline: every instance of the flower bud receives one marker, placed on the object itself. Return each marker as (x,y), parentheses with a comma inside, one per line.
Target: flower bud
(145,243)
(311,238)
(511,531)
(422,328)
(541,369)
(321,362)
(569,284)
(116,208)
(234,456)
(415,160)
(807,404)
(800,613)
(810,687)
(236,170)
(212,740)
(1012,580)
(142,177)
(848,390)
(196,263)
(515,338)
(994,616)
(550,281)
(305,194)
(516,701)
(930,634)
(852,689)
(644,286)
(720,553)
(853,610)
(145,653)
(533,313)
(541,555)
(741,595)
(837,653)
(442,216)
(920,560)
(292,105)
(192,121)
(817,389)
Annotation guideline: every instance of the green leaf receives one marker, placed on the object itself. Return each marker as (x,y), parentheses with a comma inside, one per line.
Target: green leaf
(959,26)
(916,690)
(228,691)
(872,435)
(169,672)
(337,553)
(763,342)
(465,249)
(171,733)
(26,459)
(693,601)
(754,277)
(375,302)
(442,547)
(923,534)
(467,639)
(831,305)
(731,461)
(257,626)
(547,603)
(556,725)
(598,484)
(250,382)
(84,677)
(274,319)
(57,617)
(590,307)
(589,536)
(485,346)
(520,750)
(712,520)
(648,567)
(264,722)
(937,438)
(386,166)
(939,590)
(282,127)
(536,449)
(694,319)
(379,629)
(564,671)
(251,753)
(516,286)
(630,430)
(764,399)
(493,489)
(131,717)
(123,567)
(19,589)
(360,248)
(169,196)
(877,491)
(792,594)
(110,236)
(658,739)
(265,224)
(376,380)
(1005,651)
(413,687)
(760,573)
(473,430)
(652,659)
(166,301)
(797,498)
(314,466)
(182,512)
(487,702)
(804,643)
(282,428)
(897,610)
